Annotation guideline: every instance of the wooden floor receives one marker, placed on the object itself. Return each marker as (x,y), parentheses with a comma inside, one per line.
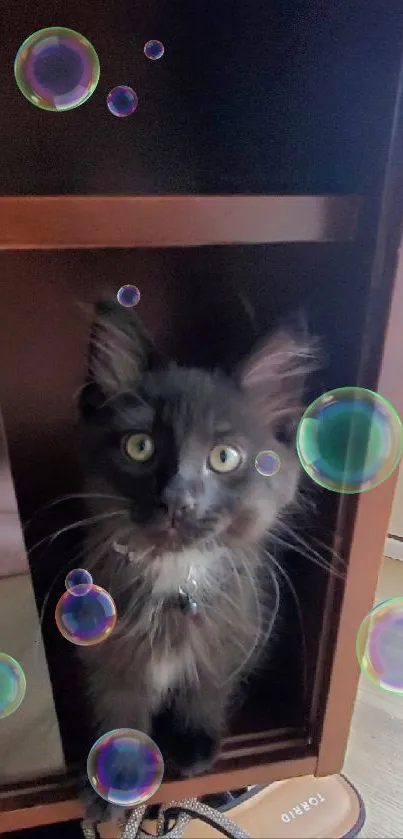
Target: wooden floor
(374,760)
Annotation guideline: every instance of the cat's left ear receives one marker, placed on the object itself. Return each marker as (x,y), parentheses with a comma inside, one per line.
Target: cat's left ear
(119,351)
(274,379)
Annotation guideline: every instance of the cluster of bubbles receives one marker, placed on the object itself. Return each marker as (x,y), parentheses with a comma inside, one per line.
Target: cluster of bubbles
(85,614)
(58,69)
(12,685)
(125,767)
(350,440)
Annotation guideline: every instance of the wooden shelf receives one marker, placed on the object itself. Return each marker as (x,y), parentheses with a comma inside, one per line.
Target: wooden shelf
(57,801)
(60,222)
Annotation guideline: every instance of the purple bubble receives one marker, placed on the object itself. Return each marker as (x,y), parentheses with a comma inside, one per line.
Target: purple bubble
(125,767)
(154,50)
(78,581)
(88,619)
(122,101)
(56,69)
(267,463)
(128,296)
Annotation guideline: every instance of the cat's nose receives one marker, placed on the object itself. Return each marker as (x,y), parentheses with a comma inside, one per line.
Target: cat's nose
(180,497)
(179,508)
(179,504)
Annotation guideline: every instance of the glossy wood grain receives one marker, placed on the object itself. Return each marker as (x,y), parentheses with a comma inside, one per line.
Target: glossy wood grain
(20,814)
(123,222)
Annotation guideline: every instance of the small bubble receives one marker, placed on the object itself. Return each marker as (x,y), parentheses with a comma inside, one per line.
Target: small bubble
(154,50)
(379,645)
(56,69)
(122,101)
(125,767)
(128,296)
(267,463)
(88,619)
(12,685)
(350,440)
(78,581)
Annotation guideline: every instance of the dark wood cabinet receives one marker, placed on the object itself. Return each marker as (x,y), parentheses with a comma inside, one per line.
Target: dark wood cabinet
(261,176)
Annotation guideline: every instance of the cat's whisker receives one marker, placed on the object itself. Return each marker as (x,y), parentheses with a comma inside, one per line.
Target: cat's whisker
(326,547)
(291,587)
(72,497)
(133,577)
(77,393)
(257,639)
(119,560)
(272,621)
(82,523)
(309,554)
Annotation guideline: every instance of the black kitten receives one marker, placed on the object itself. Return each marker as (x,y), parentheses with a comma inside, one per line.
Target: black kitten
(169,454)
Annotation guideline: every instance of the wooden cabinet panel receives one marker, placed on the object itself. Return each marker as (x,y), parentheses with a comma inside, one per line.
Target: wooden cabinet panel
(299,98)
(260,97)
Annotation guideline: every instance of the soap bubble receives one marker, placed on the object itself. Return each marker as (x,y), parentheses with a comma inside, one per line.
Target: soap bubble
(350,440)
(380,643)
(267,463)
(12,685)
(56,69)
(122,101)
(128,296)
(78,581)
(154,50)
(125,767)
(86,620)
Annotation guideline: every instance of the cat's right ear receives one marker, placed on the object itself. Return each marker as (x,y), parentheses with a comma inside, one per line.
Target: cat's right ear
(119,351)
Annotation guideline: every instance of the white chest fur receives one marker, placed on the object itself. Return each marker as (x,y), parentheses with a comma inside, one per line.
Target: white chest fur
(171,572)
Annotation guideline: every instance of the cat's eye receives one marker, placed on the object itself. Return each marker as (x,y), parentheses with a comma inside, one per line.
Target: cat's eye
(139,447)
(224,459)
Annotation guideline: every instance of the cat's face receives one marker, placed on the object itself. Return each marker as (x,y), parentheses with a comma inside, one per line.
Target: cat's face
(178,445)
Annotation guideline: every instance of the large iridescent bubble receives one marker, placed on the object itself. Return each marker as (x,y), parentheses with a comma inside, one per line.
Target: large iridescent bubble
(56,69)
(350,440)
(380,643)
(125,767)
(88,619)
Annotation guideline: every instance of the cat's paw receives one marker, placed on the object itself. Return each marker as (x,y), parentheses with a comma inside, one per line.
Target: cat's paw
(186,750)
(96,809)
(195,752)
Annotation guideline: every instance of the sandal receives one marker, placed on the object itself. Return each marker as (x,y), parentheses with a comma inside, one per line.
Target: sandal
(299,808)
(182,812)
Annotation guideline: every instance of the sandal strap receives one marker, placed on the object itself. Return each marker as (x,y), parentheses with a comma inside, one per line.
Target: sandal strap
(183,812)
(130,827)
(190,808)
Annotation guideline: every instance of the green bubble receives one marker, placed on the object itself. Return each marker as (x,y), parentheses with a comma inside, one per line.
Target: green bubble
(12,685)
(350,440)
